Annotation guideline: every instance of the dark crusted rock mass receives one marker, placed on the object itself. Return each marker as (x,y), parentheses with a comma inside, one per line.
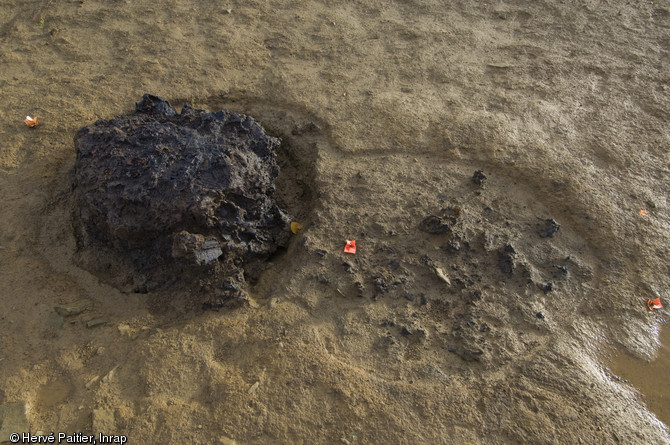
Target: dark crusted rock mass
(188,191)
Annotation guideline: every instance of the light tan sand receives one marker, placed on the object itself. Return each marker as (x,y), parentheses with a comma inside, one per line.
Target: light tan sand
(565,107)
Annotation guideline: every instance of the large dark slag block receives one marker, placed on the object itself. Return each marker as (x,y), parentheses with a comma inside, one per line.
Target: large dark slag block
(182,189)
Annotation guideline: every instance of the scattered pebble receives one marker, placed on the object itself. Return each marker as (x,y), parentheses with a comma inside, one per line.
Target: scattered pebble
(96,322)
(479,177)
(551,229)
(436,225)
(441,275)
(110,375)
(506,259)
(562,270)
(253,388)
(436,370)
(125,329)
(91,382)
(76,308)
(223,440)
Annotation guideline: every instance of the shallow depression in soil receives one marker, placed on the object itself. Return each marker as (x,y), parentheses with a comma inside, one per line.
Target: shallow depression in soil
(649,377)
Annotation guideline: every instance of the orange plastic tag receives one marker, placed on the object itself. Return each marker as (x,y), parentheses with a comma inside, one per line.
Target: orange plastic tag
(350,247)
(643,212)
(30,121)
(296,227)
(654,304)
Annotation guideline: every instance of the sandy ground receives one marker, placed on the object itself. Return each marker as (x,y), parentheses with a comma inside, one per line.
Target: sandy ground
(386,109)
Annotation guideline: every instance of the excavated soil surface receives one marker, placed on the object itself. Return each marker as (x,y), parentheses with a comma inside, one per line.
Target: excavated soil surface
(489,159)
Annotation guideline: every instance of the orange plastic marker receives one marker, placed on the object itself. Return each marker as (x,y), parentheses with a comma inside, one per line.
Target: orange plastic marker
(350,247)
(30,121)
(654,304)
(296,227)
(643,212)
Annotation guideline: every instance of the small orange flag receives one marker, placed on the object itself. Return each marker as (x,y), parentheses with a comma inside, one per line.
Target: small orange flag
(350,247)
(654,304)
(30,121)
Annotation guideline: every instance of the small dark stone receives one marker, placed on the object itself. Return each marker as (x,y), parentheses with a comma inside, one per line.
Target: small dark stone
(76,308)
(540,315)
(321,278)
(231,293)
(381,285)
(422,300)
(213,305)
(507,258)
(454,245)
(140,284)
(460,283)
(547,287)
(421,332)
(321,252)
(404,331)
(435,225)
(394,265)
(309,127)
(443,223)
(195,249)
(468,355)
(551,229)
(96,322)
(409,296)
(472,355)
(479,177)
(562,270)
